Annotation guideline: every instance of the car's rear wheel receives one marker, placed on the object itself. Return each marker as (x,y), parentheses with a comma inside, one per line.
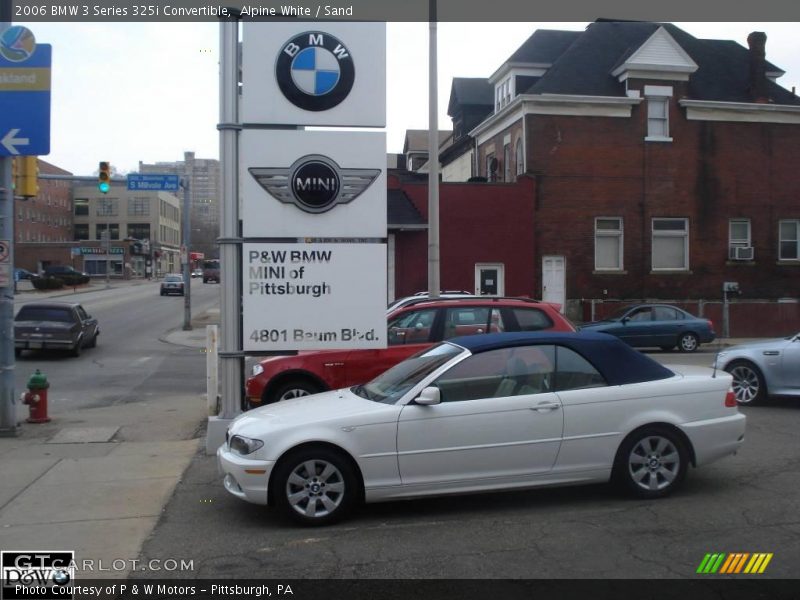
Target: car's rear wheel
(315,486)
(688,342)
(296,388)
(651,462)
(76,349)
(748,382)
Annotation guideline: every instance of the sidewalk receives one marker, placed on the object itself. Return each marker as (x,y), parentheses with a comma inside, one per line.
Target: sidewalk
(96,482)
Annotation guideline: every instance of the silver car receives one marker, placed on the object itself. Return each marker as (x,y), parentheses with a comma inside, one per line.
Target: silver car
(764,368)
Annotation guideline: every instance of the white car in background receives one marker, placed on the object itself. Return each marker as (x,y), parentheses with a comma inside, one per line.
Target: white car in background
(485,412)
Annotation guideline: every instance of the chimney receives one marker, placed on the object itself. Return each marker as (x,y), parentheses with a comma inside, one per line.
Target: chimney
(758,67)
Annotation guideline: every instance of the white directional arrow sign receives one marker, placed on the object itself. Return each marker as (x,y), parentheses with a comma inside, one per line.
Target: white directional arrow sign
(10,141)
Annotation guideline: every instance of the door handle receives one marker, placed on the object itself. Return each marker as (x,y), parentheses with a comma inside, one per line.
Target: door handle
(546,406)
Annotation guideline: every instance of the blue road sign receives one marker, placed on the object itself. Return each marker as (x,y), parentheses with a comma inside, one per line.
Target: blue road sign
(153,182)
(25,104)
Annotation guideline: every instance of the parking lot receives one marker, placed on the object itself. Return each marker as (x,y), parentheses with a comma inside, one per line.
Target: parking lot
(745,503)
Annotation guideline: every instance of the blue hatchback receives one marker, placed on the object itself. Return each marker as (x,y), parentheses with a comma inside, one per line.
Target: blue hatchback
(656,325)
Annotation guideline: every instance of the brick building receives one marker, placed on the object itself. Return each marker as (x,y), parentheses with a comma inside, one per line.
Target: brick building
(664,165)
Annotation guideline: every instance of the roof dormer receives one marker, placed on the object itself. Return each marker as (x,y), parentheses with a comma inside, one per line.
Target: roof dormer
(659,57)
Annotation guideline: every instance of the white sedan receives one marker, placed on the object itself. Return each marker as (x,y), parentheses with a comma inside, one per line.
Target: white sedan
(485,412)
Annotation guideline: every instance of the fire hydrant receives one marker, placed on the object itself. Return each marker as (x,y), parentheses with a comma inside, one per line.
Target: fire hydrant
(36,398)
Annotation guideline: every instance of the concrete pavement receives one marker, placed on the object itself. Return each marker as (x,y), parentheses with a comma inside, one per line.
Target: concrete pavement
(96,481)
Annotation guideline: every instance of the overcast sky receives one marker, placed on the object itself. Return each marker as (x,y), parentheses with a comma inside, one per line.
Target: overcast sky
(126,92)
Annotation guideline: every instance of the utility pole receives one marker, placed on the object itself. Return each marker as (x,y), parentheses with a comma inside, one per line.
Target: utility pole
(8,401)
(187,274)
(434,285)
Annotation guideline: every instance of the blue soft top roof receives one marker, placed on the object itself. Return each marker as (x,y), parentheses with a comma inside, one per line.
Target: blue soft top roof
(616,361)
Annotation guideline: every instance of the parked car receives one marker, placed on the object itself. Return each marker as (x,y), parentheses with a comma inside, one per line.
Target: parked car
(764,368)
(656,325)
(68,274)
(23,274)
(54,325)
(486,412)
(172,284)
(409,329)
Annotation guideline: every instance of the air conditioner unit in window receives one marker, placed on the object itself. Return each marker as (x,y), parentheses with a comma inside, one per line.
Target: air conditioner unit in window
(742,253)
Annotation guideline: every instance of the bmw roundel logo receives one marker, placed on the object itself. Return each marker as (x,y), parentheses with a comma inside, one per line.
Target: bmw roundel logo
(315,71)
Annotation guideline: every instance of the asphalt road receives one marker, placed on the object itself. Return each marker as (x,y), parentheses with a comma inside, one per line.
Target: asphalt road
(130,362)
(745,503)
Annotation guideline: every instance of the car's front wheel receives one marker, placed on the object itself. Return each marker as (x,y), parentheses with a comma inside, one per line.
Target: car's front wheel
(315,486)
(651,462)
(688,342)
(293,389)
(748,382)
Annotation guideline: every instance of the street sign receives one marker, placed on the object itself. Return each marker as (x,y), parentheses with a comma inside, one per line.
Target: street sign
(153,182)
(25,101)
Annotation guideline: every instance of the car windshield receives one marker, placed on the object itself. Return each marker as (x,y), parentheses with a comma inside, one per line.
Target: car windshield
(41,313)
(390,386)
(173,278)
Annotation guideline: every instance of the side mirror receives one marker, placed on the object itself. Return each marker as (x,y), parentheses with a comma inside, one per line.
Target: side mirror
(429,396)
(418,326)
(625,320)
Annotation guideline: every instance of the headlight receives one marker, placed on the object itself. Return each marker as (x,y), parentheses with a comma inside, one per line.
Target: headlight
(243,445)
(257,369)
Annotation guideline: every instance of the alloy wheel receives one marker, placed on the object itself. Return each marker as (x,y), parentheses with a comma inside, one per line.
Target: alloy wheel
(746,384)
(315,488)
(654,463)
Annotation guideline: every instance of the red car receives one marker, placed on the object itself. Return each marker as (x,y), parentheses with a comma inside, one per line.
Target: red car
(410,329)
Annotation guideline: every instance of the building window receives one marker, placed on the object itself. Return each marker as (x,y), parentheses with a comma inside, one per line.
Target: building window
(789,248)
(81,231)
(739,245)
(491,167)
(106,207)
(139,231)
(507,162)
(608,244)
(139,207)
(101,227)
(520,158)
(670,244)
(81,207)
(658,118)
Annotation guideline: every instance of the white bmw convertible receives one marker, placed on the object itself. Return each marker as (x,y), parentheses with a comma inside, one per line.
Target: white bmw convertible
(485,412)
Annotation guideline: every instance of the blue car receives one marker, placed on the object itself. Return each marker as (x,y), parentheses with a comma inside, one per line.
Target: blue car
(656,325)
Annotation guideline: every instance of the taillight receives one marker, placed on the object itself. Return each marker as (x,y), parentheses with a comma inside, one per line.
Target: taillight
(730,399)
(710,324)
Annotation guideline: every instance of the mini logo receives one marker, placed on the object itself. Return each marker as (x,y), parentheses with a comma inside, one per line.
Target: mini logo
(315,71)
(44,574)
(314,183)
(734,563)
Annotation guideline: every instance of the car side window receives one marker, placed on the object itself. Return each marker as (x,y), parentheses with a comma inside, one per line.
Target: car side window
(82,314)
(640,314)
(412,327)
(532,319)
(665,313)
(465,320)
(574,372)
(499,374)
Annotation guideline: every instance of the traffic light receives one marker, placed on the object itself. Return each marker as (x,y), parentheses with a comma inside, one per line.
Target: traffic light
(26,176)
(104,177)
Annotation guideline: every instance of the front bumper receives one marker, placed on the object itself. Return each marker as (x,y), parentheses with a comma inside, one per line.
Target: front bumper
(245,478)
